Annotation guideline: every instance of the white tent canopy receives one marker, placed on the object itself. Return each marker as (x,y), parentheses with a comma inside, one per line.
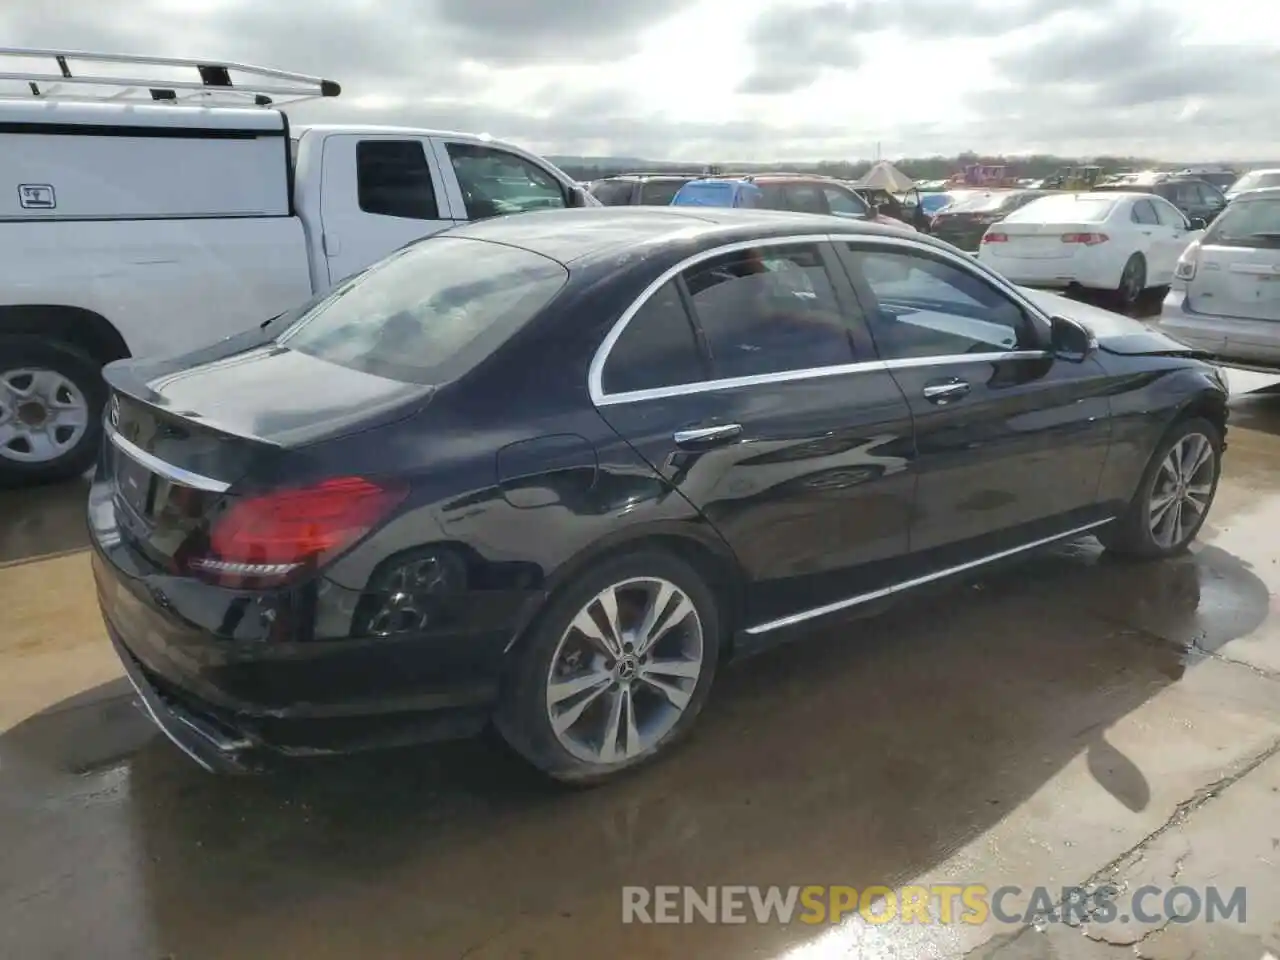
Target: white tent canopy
(885,176)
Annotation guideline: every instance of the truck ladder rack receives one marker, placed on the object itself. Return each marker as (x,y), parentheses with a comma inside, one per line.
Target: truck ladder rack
(213,83)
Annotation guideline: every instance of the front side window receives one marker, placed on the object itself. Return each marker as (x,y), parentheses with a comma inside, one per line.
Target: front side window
(1144,212)
(430,312)
(394,180)
(1170,216)
(768,310)
(927,307)
(496,182)
(657,347)
(845,203)
(806,198)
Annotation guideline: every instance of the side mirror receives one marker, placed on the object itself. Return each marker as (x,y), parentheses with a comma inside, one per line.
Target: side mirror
(577,197)
(1071,341)
(1199,223)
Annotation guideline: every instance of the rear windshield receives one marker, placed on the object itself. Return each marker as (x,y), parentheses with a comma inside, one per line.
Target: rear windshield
(706,193)
(1257,180)
(612,193)
(660,193)
(1247,223)
(982,203)
(430,312)
(1066,208)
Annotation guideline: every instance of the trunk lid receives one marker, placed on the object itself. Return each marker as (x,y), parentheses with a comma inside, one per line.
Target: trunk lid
(1236,282)
(182,435)
(1037,241)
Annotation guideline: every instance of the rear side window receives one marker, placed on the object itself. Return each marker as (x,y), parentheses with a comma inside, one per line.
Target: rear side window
(1249,223)
(657,347)
(768,310)
(659,193)
(613,193)
(430,312)
(394,180)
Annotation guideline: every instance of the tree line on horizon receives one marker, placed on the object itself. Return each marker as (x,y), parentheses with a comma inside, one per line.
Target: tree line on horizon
(1036,166)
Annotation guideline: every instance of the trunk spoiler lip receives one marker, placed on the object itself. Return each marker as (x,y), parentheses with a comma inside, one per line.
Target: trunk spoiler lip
(163,468)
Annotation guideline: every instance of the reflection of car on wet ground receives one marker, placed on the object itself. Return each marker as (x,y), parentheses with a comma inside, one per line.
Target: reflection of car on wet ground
(1226,292)
(963,222)
(1121,242)
(379,518)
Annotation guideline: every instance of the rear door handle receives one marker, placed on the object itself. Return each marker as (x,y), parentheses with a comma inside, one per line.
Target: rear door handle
(946,391)
(707,436)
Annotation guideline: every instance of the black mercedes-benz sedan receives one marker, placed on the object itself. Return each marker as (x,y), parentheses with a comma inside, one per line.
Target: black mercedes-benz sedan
(550,471)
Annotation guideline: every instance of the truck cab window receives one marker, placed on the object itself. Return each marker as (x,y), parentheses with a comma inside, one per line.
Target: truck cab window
(394,180)
(495,182)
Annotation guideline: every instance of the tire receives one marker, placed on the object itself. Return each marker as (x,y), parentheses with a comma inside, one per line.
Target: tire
(1133,280)
(42,382)
(1135,534)
(555,647)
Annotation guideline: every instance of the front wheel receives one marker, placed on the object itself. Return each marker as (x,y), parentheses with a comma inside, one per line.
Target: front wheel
(616,670)
(51,400)
(1174,496)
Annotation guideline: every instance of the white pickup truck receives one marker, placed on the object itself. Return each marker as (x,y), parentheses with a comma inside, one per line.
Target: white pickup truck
(144,224)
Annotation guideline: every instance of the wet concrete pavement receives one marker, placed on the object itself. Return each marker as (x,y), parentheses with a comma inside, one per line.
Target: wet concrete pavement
(1063,720)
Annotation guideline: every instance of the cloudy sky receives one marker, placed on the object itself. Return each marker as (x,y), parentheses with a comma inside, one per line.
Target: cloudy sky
(744,79)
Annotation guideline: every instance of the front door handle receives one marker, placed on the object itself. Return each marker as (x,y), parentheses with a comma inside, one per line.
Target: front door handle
(707,436)
(946,391)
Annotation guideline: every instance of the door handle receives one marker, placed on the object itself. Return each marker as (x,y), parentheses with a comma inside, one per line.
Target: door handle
(707,436)
(945,392)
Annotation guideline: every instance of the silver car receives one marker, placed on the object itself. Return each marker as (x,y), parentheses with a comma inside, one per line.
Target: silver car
(1225,297)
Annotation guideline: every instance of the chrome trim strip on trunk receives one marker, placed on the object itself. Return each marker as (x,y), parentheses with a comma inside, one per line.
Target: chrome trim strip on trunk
(802,616)
(167,470)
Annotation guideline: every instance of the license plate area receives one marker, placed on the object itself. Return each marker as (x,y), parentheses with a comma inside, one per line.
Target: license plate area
(135,486)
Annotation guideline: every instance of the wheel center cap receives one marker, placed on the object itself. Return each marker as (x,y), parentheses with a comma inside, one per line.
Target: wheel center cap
(32,414)
(627,668)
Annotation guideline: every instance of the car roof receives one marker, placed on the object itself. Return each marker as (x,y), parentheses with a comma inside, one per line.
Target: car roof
(1257,193)
(582,236)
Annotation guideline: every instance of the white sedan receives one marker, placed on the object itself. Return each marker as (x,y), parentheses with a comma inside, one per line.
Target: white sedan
(1124,243)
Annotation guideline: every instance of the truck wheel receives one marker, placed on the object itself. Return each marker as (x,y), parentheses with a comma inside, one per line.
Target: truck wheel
(51,400)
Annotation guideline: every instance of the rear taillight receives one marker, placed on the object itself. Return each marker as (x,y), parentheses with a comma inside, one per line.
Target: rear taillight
(271,538)
(1088,239)
(990,237)
(1187,263)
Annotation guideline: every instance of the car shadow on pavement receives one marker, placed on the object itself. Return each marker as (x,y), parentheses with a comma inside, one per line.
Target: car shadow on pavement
(866,754)
(42,521)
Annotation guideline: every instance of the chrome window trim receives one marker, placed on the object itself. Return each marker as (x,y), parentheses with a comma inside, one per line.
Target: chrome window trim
(167,470)
(803,615)
(595,375)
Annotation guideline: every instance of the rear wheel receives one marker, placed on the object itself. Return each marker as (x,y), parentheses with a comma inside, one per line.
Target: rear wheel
(616,670)
(51,400)
(1133,280)
(1174,496)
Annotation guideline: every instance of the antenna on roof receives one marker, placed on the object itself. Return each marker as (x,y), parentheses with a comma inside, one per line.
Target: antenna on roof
(214,83)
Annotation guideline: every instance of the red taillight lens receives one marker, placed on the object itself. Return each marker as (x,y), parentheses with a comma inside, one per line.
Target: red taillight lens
(272,537)
(995,238)
(1088,239)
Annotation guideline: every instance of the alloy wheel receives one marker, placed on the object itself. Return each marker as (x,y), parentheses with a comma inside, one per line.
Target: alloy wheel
(1181,491)
(43,415)
(625,670)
